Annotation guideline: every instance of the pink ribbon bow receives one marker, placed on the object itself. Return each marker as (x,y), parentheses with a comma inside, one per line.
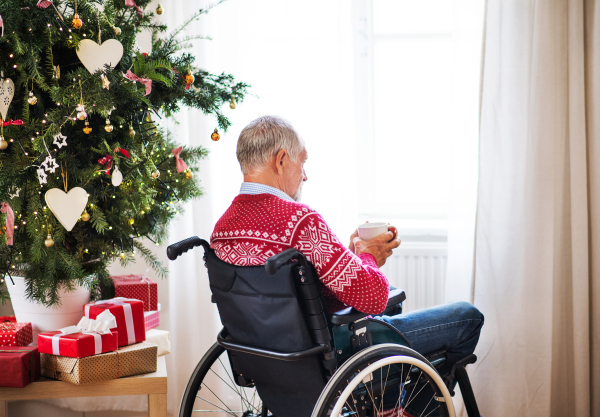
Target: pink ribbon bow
(181,165)
(131,3)
(43,4)
(148,83)
(10,222)
(2,25)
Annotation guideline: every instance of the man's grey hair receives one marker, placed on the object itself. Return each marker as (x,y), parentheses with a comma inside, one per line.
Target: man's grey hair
(262,139)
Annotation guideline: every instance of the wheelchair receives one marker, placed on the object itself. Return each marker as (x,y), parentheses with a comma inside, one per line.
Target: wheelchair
(281,354)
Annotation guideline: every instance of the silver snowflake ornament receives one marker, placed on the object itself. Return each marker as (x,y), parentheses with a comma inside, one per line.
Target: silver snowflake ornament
(50,164)
(42,176)
(60,140)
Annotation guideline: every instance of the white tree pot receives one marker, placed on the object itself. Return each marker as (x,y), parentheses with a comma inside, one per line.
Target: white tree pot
(42,318)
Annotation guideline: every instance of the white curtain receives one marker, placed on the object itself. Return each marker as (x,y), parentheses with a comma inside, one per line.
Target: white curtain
(536,272)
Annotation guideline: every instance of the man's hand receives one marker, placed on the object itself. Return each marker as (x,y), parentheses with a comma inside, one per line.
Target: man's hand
(380,247)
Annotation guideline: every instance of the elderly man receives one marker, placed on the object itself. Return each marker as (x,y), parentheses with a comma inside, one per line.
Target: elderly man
(266,218)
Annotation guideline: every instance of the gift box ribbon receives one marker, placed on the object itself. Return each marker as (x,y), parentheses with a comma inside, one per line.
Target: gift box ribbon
(31,357)
(95,327)
(121,301)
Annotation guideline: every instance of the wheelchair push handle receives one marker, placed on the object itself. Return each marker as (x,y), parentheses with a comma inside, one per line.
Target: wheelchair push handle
(176,249)
(273,264)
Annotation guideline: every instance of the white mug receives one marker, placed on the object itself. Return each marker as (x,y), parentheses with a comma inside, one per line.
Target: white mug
(368,231)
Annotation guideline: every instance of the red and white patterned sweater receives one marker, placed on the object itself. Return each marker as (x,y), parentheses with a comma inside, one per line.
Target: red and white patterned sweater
(256,227)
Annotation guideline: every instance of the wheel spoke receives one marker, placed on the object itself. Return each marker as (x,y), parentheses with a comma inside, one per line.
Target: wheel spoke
(410,399)
(218,398)
(432,411)
(430,400)
(225,411)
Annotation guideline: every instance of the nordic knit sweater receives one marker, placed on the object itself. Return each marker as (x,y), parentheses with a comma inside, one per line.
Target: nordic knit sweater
(256,227)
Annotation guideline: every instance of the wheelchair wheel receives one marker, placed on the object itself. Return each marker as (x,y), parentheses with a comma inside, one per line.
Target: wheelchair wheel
(382,381)
(211,389)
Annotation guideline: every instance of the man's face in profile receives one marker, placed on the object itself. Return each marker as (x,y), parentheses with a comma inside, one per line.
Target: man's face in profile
(298,176)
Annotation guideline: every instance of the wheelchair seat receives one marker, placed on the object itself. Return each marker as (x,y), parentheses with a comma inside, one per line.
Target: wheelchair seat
(280,341)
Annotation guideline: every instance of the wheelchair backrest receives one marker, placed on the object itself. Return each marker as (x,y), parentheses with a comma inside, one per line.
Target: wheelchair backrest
(279,312)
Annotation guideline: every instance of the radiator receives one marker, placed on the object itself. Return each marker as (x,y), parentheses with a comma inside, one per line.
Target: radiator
(419,268)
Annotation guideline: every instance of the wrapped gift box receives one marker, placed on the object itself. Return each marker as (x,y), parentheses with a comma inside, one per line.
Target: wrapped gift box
(77,345)
(140,358)
(160,338)
(15,334)
(129,314)
(8,318)
(20,365)
(139,287)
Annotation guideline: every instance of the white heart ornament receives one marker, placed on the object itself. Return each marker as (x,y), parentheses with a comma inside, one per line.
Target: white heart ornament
(94,57)
(7,91)
(67,207)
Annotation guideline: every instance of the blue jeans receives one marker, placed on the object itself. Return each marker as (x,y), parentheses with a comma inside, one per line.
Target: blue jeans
(453,328)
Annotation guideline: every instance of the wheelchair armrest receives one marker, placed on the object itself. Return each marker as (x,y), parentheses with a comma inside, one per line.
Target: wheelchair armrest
(350,314)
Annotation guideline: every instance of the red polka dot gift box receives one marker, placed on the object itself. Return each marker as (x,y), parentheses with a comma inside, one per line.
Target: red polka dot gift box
(15,334)
(139,287)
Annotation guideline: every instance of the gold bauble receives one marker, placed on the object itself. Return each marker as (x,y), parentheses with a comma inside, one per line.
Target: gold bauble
(3,143)
(232,104)
(156,174)
(77,22)
(131,222)
(189,78)
(87,129)
(81,115)
(131,132)
(85,216)
(32,100)
(109,128)
(188,175)
(49,242)
(215,135)
(117,31)
(159,9)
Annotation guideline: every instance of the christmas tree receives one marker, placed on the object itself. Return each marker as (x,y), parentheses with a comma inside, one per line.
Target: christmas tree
(85,168)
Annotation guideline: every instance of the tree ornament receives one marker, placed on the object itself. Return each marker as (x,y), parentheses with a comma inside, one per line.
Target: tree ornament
(105,82)
(32,100)
(67,207)
(85,216)
(7,91)
(60,140)
(215,135)
(56,72)
(131,132)
(232,104)
(42,176)
(155,174)
(188,175)
(94,57)
(87,129)
(76,22)
(159,9)
(49,164)
(49,242)
(117,177)
(189,78)
(81,114)
(117,31)
(109,128)
(3,143)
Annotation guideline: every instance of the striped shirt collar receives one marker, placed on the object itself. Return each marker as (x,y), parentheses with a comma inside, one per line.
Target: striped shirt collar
(254,188)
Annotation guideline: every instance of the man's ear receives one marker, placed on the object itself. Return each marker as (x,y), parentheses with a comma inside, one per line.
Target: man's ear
(280,160)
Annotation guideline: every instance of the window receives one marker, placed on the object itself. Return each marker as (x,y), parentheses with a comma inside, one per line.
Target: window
(417,78)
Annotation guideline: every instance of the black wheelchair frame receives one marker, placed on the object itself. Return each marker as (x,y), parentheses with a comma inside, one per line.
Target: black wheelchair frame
(249,356)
